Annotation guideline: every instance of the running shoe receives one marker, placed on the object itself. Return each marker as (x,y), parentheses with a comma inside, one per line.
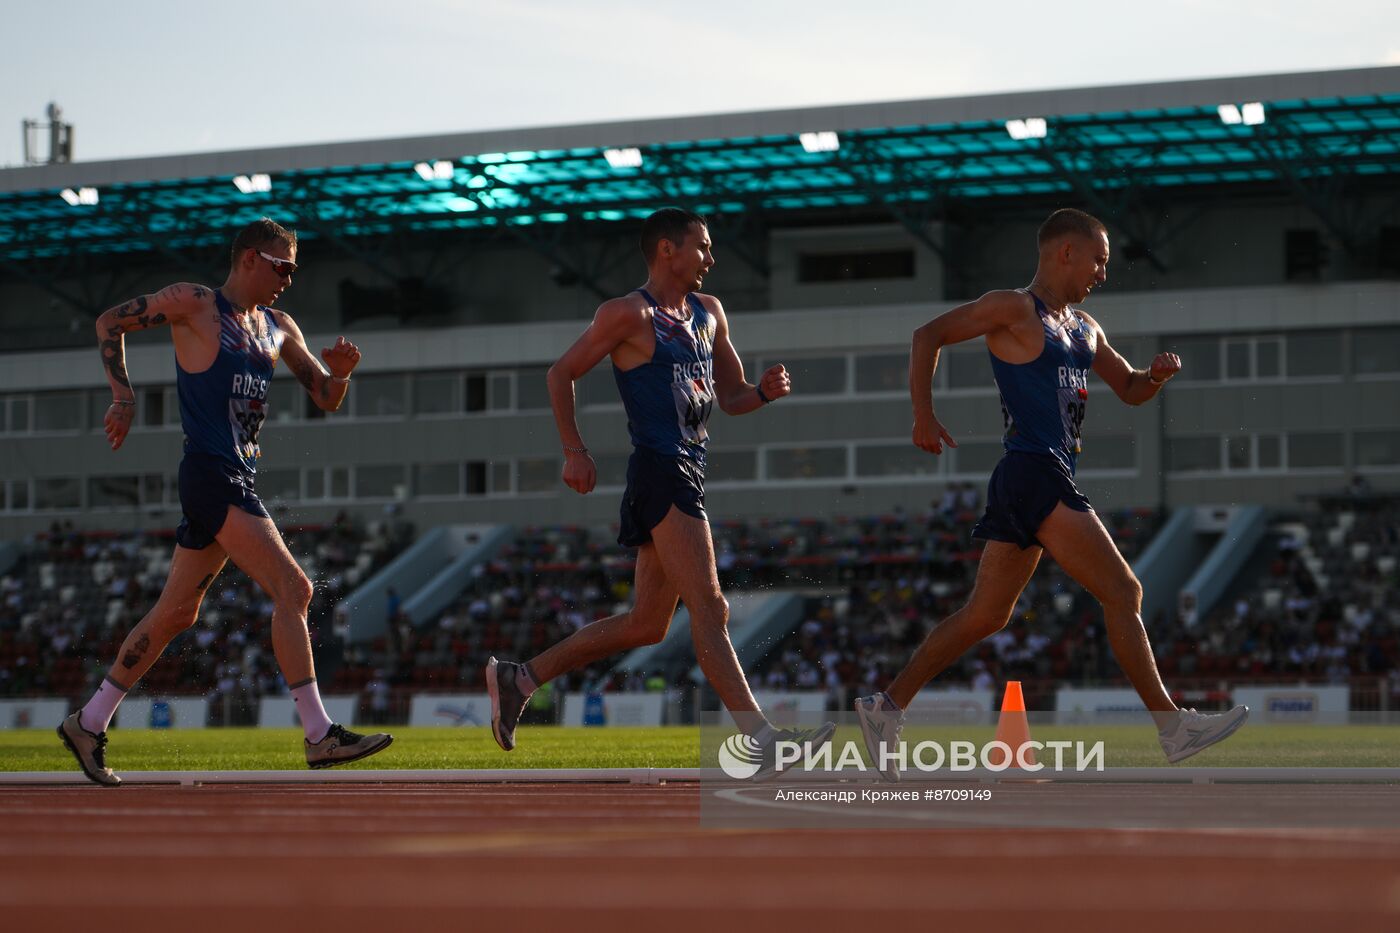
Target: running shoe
(768,751)
(90,748)
(1194,731)
(507,700)
(880,724)
(340,746)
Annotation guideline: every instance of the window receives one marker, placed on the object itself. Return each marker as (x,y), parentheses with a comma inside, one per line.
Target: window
(1200,357)
(501,474)
(60,492)
(152,401)
(894,460)
(807,463)
(1313,450)
(380,396)
(538,475)
(1269,451)
(969,368)
(1315,353)
(1268,353)
(531,389)
(975,456)
(1377,448)
(437,393)
(1376,350)
(612,469)
(279,484)
(114,492)
(731,466)
(815,375)
(18,413)
(59,411)
(500,394)
(1193,454)
(1237,452)
(1109,452)
(855,266)
(19,495)
(476,393)
(437,479)
(328,483)
(380,482)
(476,477)
(1304,255)
(883,372)
(1237,359)
(1248,358)
(340,482)
(490,391)
(285,400)
(599,387)
(99,400)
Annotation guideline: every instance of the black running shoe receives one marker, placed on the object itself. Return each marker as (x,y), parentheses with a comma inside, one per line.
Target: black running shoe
(90,748)
(340,746)
(507,702)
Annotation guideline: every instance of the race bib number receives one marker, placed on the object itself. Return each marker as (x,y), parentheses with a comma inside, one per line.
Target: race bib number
(695,399)
(1072,402)
(246,416)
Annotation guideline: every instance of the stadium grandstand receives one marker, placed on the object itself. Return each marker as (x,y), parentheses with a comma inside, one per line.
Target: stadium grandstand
(1255,233)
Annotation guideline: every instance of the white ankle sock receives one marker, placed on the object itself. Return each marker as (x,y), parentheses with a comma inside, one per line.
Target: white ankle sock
(524,682)
(97,715)
(314,721)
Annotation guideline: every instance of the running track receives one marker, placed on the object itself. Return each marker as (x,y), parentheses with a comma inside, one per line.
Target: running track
(564,858)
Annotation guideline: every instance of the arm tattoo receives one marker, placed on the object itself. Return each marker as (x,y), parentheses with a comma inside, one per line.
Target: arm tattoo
(133,316)
(304,371)
(114,357)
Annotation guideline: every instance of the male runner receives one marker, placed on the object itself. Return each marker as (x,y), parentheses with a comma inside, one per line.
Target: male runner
(1042,350)
(673,362)
(226,344)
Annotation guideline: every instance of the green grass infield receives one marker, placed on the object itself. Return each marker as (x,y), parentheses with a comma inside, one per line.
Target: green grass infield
(1254,746)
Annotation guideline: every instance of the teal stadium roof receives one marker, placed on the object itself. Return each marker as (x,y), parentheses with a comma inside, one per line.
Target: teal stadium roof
(1097,141)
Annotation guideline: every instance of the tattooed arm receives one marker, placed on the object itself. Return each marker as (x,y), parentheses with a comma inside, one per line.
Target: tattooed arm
(327,389)
(173,304)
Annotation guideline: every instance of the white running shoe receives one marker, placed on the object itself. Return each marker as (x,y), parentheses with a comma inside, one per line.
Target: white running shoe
(880,723)
(811,739)
(1194,731)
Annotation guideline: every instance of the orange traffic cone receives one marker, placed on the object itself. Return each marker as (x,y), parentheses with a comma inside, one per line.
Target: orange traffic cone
(1012,728)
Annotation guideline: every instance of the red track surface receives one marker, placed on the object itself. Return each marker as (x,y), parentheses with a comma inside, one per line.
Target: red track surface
(566,858)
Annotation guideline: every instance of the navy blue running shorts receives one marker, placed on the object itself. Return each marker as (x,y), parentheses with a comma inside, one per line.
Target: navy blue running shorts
(208,486)
(1023,491)
(655,482)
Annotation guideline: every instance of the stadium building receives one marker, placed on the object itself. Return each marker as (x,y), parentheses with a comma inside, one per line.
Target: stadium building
(1255,224)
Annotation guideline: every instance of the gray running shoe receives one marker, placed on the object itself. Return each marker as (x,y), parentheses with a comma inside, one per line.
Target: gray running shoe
(90,749)
(816,738)
(507,701)
(1194,731)
(880,725)
(340,746)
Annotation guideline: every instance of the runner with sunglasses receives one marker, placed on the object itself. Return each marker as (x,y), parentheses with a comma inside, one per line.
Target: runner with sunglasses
(227,341)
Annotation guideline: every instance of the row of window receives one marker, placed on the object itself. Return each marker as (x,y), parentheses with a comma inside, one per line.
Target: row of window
(1264,452)
(1212,359)
(1270,452)
(866,461)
